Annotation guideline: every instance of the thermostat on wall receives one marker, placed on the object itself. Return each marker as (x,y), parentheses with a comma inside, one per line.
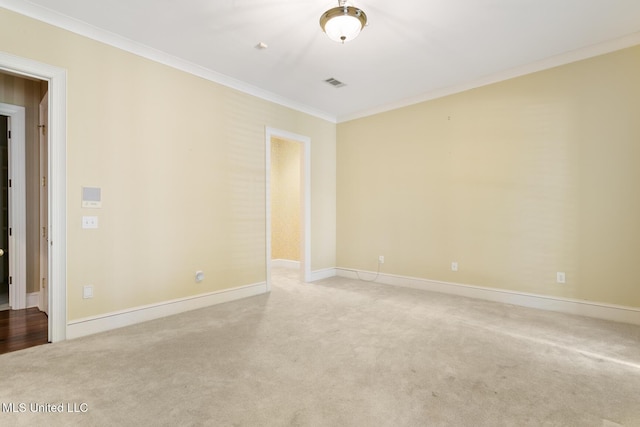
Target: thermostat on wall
(91,197)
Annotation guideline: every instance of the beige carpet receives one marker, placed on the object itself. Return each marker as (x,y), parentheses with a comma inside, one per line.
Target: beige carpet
(336,353)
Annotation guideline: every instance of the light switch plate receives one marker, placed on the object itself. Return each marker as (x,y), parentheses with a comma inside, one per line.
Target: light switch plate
(89,222)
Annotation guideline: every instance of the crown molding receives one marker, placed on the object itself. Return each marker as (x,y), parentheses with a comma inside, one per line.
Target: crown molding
(86,30)
(544,64)
(82,28)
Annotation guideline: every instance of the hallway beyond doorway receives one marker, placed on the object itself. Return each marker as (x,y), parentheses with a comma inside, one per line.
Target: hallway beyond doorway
(20,329)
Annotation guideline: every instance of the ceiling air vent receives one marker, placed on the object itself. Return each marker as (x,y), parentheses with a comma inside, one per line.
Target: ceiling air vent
(335,83)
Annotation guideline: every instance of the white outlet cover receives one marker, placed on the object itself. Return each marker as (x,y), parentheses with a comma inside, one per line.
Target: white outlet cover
(454,266)
(87,292)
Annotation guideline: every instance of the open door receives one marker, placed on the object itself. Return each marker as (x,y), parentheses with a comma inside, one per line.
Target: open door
(44,205)
(4,213)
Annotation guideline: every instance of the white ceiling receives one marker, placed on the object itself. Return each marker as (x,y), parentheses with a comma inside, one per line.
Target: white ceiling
(410,49)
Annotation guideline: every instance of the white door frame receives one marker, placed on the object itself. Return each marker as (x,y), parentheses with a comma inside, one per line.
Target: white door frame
(43,195)
(306,198)
(57,136)
(17,250)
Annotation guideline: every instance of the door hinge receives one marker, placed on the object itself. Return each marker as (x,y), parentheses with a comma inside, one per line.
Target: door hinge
(44,181)
(10,231)
(9,134)
(44,282)
(9,183)
(44,232)
(10,280)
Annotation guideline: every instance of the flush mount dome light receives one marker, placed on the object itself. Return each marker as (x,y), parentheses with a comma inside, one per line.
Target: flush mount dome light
(343,23)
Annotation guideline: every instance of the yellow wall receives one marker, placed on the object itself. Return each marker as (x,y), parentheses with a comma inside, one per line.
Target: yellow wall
(181,164)
(515,181)
(285,199)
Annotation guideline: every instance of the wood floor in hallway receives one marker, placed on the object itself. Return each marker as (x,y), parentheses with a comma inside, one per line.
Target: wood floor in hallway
(21,329)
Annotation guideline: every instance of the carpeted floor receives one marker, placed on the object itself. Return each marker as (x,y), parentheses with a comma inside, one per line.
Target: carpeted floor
(335,353)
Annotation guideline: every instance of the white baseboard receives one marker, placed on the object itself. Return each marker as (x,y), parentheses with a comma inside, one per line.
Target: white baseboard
(92,325)
(322,274)
(295,265)
(33,299)
(285,263)
(604,311)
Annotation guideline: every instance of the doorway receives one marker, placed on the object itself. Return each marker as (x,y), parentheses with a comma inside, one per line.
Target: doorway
(56,184)
(286,209)
(23,321)
(288,197)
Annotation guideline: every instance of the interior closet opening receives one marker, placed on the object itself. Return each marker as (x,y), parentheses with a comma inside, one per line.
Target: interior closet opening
(286,207)
(288,200)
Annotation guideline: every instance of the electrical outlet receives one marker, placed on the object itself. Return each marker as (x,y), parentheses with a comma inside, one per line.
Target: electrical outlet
(560,277)
(454,266)
(87,292)
(381,259)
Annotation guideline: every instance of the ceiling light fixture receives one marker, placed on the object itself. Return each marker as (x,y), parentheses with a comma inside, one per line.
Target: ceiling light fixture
(343,23)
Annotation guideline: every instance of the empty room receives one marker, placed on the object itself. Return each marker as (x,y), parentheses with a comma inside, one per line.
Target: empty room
(320,213)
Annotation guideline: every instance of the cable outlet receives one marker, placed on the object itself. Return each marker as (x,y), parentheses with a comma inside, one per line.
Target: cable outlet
(199,276)
(560,277)
(381,259)
(454,266)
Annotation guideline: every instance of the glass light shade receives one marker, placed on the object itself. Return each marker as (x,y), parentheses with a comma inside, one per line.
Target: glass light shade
(343,28)
(344,23)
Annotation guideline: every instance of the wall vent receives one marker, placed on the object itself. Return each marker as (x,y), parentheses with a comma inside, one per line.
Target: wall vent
(335,83)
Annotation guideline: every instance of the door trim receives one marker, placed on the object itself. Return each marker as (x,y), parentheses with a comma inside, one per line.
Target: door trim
(43,196)
(17,207)
(306,198)
(57,142)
